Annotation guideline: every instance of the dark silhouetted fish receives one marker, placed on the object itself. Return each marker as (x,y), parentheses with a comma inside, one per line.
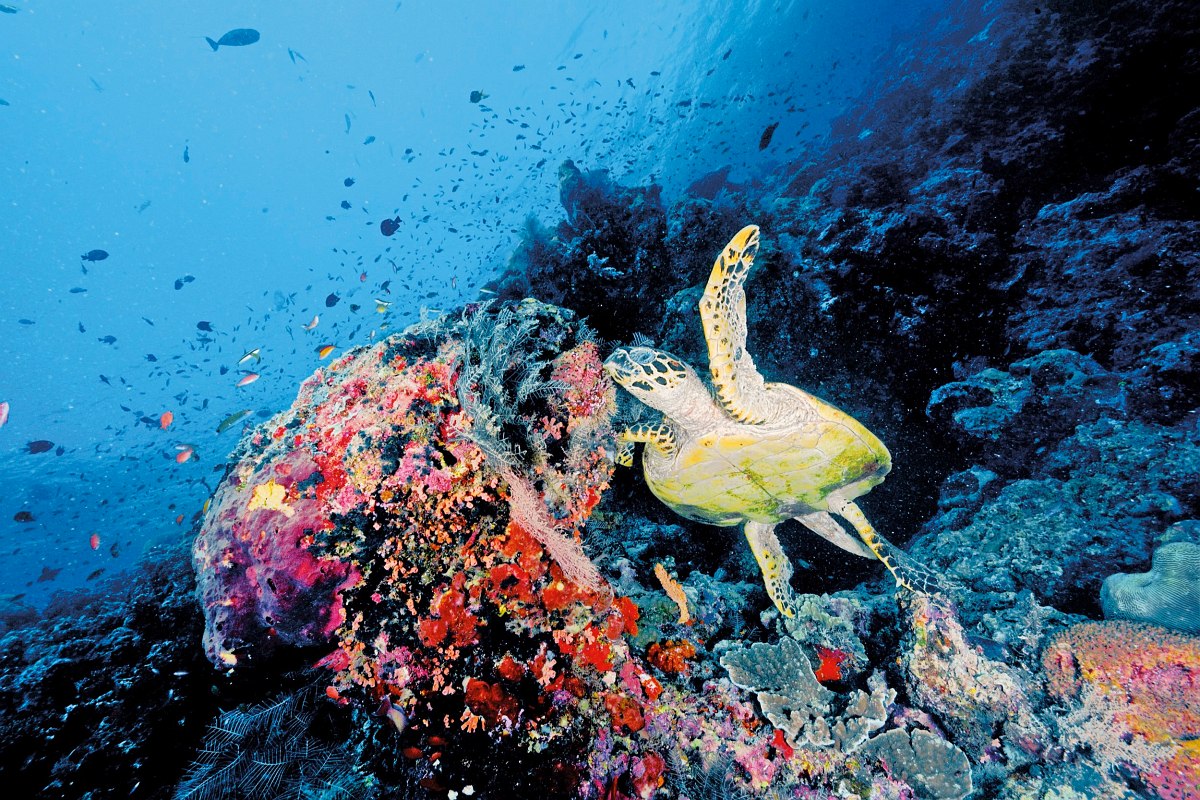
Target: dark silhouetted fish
(48,574)
(39,446)
(389,226)
(23,516)
(205,325)
(179,282)
(332,300)
(764,141)
(238,37)
(186,155)
(477,95)
(95,255)
(109,339)
(7,10)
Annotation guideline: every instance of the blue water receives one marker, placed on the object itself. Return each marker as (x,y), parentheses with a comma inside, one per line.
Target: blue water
(228,172)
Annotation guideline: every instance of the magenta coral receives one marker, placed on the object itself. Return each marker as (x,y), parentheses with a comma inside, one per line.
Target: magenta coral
(1147,679)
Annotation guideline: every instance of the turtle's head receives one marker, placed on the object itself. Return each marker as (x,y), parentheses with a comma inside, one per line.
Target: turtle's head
(658,379)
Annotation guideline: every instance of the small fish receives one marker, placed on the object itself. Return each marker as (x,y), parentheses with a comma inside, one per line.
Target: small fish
(332,300)
(77,290)
(204,325)
(48,574)
(184,454)
(109,339)
(4,102)
(96,573)
(315,321)
(389,226)
(347,123)
(151,357)
(26,322)
(39,446)
(324,350)
(477,95)
(179,282)
(95,255)
(256,354)
(7,9)
(249,378)
(238,37)
(96,84)
(348,182)
(187,156)
(94,541)
(381,306)
(518,67)
(165,420)
(368,140)
(143,206)
(3,413)
(23,516)
(294,54)
(231,420)
(372,96)
(764,141)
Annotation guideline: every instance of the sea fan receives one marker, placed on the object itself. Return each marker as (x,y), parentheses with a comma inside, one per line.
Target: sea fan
(269,751)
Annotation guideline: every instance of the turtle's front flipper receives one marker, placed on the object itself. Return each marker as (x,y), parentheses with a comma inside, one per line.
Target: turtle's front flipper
(723,313)
(912,575)
(776,569)
(659,436)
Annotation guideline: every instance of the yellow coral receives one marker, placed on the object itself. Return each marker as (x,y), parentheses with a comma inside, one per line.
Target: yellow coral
(270,495)
(674,591)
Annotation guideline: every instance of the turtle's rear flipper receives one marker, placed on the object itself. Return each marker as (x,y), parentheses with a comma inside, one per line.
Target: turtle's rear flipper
(909,573)
(775,566)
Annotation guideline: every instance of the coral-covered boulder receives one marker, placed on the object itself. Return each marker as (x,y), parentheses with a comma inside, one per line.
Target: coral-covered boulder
(1130,691)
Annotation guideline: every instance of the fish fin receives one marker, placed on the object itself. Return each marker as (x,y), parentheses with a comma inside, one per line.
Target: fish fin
(211,43)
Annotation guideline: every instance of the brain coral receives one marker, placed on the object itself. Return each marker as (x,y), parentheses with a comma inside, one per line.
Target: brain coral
(1167,595)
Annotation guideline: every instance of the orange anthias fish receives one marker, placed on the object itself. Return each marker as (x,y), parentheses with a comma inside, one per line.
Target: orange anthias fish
(3,413)
(165,420)
(324,350)
(185,452)
(94,541)
(247,379)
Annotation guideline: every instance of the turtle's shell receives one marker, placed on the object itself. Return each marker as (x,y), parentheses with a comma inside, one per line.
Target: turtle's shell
(731,472)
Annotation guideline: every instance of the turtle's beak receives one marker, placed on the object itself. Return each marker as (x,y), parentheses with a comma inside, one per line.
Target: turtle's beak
(618,364)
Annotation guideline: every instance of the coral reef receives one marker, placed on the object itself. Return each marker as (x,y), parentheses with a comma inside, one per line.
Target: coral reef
(106,691)
(1133,687)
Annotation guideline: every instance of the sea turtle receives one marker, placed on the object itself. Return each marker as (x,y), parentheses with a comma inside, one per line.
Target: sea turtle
(749,451)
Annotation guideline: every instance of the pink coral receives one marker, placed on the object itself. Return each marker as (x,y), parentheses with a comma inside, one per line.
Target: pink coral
(1146,679)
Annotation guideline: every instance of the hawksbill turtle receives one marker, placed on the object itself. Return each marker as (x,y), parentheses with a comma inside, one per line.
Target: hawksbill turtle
(752,452)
